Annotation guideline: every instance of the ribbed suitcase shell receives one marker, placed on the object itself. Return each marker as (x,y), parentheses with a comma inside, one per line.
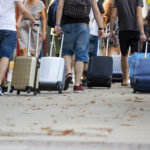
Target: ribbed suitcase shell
(100,72)
(24,73)
(117,71)
(52,73)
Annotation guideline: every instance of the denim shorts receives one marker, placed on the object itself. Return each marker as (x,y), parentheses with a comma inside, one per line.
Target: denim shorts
(8,42)
(76,39)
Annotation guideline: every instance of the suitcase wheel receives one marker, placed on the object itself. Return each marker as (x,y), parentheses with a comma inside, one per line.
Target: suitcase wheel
(134,91)
(18,92)
(28,89)
(35,92)
(11,89)
(60,91)
(60,87)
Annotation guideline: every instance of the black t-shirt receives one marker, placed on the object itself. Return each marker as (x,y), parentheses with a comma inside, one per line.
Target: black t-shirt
(127,13)
(70,20)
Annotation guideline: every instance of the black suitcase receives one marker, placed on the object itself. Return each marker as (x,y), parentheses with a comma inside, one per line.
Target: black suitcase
(100,72)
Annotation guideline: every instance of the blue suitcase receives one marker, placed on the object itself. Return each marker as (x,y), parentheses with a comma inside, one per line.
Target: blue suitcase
(141,76)
(134,58)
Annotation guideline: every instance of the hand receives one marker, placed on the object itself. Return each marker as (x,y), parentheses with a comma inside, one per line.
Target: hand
(142,37)
(101,34)
(32,23)
(57,29)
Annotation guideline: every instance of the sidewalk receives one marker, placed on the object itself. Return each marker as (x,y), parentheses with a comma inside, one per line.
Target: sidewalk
(99,119)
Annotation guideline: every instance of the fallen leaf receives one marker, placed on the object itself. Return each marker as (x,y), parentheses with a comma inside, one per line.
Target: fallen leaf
(134,116)
(29,99)
(129,99)
(141,109)
(54,121)
(93,102)
(66,132)
(49,98)
(126,124)
(35,123)
(47,105)
(110,105)
(85,111)
(46,128)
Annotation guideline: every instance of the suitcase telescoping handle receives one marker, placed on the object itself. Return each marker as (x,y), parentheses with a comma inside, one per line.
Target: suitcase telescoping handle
(146,48)
(107,38)
(37,40)
(61,46)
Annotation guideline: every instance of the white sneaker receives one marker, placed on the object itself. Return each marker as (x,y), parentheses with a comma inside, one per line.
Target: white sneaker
(1,92)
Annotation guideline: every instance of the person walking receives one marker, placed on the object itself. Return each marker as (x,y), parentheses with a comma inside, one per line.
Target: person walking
(76,35)
(8,34)
(131,29)
(37,9)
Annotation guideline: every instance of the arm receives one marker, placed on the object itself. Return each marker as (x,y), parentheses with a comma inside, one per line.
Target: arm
(59,16)
(43,17)
(24,11)
(112,22)
(19,21)
(98,18)
(140,23)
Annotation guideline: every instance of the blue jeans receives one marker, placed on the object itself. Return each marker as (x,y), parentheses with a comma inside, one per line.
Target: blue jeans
(76,39)
(8,42)
(93,46)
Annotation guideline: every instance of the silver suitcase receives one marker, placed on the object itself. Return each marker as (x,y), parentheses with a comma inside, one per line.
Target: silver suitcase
(26,70)
(117,71)
(52,71)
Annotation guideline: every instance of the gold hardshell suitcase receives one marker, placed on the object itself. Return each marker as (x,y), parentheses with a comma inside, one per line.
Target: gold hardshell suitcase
(26,71)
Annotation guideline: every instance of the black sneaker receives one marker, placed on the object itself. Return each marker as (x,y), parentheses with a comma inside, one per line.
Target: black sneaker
(5,90)
(68,80)
(1,92)
(84,82)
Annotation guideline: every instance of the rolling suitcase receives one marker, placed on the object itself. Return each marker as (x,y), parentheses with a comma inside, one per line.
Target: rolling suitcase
(25,72)
(100,71)
(141,74)
(117,71)
(52,71)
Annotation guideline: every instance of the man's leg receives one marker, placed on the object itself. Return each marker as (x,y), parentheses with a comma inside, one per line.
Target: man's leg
(4,63)
(125,69)
(68,79)
(78,72)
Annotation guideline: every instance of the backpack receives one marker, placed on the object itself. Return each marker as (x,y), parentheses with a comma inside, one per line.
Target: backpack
(52,14)
(77,8)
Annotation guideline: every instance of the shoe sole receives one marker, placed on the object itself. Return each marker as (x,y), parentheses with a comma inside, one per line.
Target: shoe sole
(79,91)
(67,82)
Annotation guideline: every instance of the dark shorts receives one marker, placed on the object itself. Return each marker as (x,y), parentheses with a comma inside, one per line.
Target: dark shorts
(8,42)
(129,39)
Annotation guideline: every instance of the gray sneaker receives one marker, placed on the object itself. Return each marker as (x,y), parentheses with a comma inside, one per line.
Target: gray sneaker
(1,92)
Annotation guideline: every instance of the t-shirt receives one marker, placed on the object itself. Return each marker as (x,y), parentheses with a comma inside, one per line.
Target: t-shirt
(127,13)
(7,15)
(93,23)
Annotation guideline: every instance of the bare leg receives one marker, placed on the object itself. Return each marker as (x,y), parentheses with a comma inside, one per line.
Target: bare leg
(23,52)
(125,69)
(68,60)
(4,63)
(78,72)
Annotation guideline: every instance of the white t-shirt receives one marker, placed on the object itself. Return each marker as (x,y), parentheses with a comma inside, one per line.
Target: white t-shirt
(93,24)
(7,15)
